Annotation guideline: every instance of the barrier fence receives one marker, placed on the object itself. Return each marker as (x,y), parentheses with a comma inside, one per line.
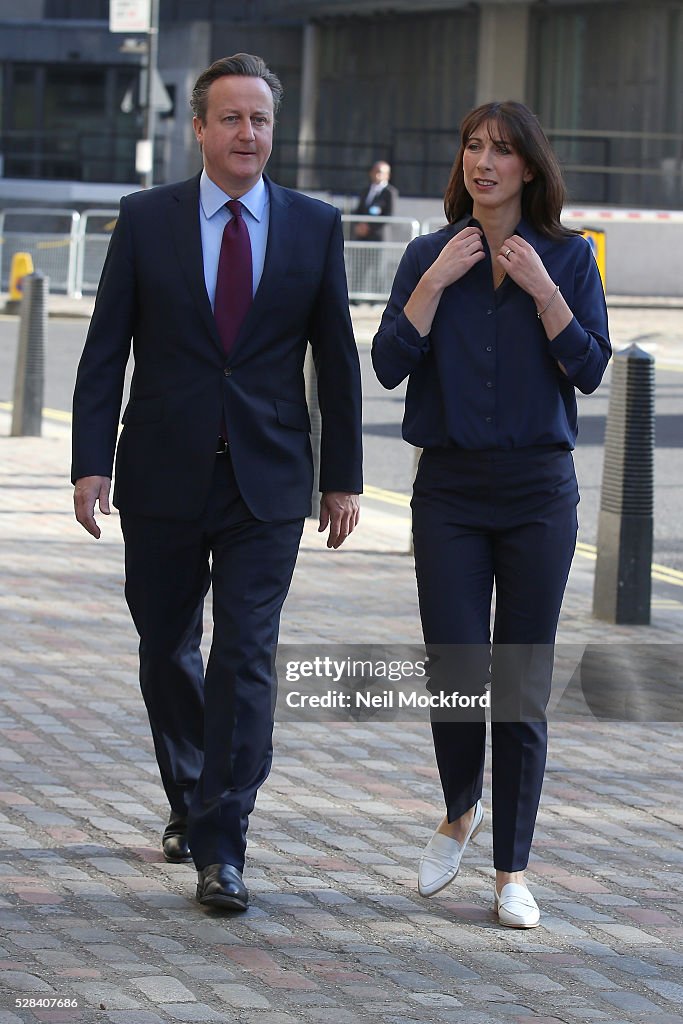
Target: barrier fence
(70,247)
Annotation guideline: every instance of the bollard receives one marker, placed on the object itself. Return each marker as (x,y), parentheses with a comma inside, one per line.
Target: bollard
(624,564)
(311,379)
(29,377)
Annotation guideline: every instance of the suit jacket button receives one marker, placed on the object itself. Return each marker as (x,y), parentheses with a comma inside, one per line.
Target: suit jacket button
(227,371)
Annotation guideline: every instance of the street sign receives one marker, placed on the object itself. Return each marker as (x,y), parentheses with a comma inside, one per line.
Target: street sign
(129,15)
(133,98)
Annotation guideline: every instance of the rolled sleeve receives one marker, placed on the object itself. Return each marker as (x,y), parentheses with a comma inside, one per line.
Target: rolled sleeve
(583,355)
(398,347)
(583,347)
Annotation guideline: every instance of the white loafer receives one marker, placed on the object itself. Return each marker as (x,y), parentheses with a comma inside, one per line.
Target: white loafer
(440,862)
(516,907)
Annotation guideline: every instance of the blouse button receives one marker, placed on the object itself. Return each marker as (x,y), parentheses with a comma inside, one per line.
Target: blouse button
(489,383)
(489,419)
(489,312)
(489,348)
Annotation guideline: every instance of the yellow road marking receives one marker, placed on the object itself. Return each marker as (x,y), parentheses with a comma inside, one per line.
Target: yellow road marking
(663,573)
(49,414)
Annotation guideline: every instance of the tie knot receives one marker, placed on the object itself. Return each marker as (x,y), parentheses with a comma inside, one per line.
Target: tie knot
(235,207)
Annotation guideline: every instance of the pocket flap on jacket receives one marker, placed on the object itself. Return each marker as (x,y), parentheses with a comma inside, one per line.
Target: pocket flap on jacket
(143,410)
(292,414)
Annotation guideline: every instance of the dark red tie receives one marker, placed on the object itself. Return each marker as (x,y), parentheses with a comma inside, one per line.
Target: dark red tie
(234,281)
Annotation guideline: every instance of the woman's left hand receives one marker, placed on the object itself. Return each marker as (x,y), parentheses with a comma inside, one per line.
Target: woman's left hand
(521,261)
(523,264)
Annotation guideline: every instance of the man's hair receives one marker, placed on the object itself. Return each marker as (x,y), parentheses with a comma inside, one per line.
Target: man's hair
(239,64)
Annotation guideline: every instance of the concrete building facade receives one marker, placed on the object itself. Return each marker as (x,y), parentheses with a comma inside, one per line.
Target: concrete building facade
(364,80)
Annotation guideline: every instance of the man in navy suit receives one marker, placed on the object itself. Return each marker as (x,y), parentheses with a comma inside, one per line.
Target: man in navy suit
(221,282)
(378,200)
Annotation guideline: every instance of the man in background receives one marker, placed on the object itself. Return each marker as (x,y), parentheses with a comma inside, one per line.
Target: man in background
(377,201)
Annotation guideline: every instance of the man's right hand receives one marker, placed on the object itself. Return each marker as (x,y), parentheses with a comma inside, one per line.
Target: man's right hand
(87,491)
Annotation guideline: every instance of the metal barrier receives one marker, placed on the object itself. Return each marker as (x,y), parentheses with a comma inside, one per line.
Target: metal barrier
(432,224)
(371,265)
(70,247)
(96,229)
(50,236)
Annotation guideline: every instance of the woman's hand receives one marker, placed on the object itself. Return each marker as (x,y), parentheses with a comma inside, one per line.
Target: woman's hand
(456,258)
(522,263)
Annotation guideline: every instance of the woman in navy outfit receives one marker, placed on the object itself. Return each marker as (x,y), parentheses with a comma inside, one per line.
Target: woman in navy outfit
(496,319)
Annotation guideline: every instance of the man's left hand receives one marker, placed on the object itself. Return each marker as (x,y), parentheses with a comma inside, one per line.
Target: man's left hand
(339,511)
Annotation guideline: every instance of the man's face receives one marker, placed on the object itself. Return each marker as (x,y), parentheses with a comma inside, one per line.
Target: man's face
(237,135)
(379,172)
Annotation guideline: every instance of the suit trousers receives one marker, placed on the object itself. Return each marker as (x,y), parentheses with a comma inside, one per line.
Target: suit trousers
(212,729)
(485,518)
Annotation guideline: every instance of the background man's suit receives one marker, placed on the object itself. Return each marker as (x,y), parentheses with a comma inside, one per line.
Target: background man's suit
(170,485)
(380,204)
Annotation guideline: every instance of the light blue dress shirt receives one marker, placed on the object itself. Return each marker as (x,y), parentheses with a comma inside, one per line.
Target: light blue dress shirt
(213,216)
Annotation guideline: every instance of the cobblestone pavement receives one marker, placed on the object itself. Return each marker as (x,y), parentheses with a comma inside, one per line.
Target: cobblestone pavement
(91,915)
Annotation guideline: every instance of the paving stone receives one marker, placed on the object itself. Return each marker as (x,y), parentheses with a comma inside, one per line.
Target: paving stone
(112,997)
(336,931)
(164,989)
(632,1002)
(136,1017)
(241,997)
(669,990)
(199,1012)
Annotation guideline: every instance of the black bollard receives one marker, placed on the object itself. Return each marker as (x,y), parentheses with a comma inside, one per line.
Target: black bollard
(29,376)
(311,379)
(623,570)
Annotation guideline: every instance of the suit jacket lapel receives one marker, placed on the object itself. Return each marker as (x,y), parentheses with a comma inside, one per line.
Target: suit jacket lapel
(188,242)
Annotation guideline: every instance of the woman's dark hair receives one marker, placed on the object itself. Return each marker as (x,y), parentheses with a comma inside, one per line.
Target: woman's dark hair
(543,196)
(239,64)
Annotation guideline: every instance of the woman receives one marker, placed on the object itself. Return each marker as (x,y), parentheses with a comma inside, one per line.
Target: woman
(495,320)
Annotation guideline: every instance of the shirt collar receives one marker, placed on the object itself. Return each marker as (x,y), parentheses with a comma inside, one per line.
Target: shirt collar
(523,228)
(214,198)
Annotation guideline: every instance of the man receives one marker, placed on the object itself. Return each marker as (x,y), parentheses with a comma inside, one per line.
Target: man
(214,460)
(377,201)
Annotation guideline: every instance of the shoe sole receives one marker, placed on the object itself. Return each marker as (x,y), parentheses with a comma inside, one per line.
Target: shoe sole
(222,902)
(434,892)
(519,927)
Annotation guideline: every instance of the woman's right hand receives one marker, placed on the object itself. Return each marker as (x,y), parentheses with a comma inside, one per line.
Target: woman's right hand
(457,257)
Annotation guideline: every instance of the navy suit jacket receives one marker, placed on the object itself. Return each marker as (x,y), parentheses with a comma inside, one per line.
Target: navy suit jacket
(152,291)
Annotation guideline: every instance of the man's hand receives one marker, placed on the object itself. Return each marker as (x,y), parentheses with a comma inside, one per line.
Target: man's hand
(341,512)
(88,490)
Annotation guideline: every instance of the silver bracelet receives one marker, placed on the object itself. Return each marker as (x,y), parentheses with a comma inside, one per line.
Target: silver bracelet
(549,304)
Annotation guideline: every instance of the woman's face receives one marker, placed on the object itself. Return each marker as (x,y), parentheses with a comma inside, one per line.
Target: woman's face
(494,172)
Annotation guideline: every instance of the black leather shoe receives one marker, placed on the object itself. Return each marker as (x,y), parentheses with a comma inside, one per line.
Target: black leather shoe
(221,886)
(174,840)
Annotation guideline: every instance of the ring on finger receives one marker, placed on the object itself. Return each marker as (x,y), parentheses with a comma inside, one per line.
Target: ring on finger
(507,253)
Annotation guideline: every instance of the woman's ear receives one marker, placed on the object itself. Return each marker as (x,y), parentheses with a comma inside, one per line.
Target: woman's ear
(528,175)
